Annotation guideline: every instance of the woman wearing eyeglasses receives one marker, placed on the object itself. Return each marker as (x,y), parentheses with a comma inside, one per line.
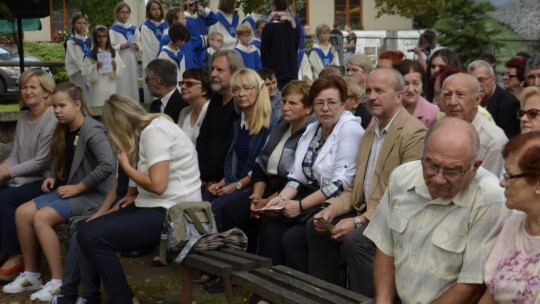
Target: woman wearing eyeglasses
(250,132)
(196,90)
(512,270)
(530,109)
(325,164)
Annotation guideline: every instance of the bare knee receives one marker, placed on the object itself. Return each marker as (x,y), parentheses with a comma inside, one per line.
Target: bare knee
(47,217)
(24,215)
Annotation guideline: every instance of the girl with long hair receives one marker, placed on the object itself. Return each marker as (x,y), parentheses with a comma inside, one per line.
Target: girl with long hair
(102,84)
(83,165)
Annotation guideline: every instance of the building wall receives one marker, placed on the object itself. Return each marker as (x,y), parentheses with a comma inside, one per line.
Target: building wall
(43,35)
(385,22)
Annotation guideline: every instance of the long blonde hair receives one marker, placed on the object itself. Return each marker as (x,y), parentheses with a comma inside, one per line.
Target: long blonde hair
(46,81)
(58,142)
(123,116)
(262,109)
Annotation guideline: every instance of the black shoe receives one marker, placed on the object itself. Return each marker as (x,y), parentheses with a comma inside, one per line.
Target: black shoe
(215,286)
(203,279)
(136,253)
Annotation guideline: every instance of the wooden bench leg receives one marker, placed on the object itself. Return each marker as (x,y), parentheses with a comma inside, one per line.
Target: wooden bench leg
(187,285)
(227,284)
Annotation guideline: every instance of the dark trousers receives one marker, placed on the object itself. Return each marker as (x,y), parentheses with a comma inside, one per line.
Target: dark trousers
(77,269)
(284,241)
(357,250)
(10,199)
(128,229)
(218,202)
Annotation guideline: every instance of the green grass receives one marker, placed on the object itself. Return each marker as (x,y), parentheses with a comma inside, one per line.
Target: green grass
(9,107)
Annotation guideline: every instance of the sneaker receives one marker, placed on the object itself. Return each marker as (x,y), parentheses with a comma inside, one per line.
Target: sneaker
(22,283)
(46,293)
(81,301)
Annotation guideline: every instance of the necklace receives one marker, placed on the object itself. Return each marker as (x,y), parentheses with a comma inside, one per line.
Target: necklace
(528,228)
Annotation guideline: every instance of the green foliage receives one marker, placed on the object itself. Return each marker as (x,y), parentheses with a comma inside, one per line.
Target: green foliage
(425,13)
(98,11)
(248,6)
(464,27)
(49,52)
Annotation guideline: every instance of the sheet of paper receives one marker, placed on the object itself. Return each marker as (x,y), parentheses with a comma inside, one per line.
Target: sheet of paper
(106,62)
(271,208)
(131,40)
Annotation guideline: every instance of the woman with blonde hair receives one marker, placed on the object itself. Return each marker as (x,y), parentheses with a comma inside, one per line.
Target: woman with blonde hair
(252,101)
(23,171)
(166,173)
(83,166)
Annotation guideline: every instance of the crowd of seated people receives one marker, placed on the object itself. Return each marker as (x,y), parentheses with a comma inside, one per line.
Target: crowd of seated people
(403,170)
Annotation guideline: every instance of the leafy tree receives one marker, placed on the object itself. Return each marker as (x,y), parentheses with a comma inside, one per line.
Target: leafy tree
(98,11)
(424,13)
(463,27)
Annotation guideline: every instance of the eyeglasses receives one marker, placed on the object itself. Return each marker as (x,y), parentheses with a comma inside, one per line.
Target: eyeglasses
(354,70)
(318,104)
(433,169)
(188,84)
(246,36)
(507,177)
(352,96)
(531,113)
(508,75)
(147,79)
(236,90)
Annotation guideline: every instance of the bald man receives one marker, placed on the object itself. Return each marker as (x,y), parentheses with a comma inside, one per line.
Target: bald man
(437,221)
(461,97)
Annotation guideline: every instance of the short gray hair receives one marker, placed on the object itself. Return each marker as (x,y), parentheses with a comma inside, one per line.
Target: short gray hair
(361,60)
(164,70)
(532,64)
(233,58)
(480,63)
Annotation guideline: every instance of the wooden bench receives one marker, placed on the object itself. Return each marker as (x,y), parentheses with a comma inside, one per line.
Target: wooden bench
(278,284)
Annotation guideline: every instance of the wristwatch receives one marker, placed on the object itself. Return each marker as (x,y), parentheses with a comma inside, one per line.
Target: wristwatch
(357,222)
(238,186)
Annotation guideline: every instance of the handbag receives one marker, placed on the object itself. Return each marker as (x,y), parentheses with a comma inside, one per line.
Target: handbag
(185,223)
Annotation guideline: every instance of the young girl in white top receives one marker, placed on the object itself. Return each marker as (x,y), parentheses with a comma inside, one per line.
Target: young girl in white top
(125,38)
(322,53)
(77,45)
(167,173)
(228,20)
(102,84)
(151,32)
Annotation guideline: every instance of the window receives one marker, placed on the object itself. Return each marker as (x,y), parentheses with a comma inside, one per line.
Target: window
(61,13)
(349,12)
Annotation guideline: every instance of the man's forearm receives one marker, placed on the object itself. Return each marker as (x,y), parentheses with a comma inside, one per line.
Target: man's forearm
(384,278)
(461,293)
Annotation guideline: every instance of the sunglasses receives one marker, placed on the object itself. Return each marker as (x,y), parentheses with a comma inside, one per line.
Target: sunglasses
(531,113)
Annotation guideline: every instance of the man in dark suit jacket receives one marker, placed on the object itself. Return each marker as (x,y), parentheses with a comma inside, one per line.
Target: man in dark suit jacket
(501,104)
(161,82)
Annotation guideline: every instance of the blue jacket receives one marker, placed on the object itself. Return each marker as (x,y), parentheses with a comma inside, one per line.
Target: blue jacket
(256,143)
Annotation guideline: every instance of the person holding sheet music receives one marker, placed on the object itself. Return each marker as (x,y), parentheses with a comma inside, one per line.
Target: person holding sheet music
(125,39)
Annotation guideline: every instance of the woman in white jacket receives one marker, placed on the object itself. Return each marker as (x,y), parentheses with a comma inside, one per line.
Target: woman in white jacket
(325,163)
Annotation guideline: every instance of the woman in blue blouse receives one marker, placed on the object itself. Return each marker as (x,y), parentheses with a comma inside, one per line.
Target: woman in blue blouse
(250,132)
